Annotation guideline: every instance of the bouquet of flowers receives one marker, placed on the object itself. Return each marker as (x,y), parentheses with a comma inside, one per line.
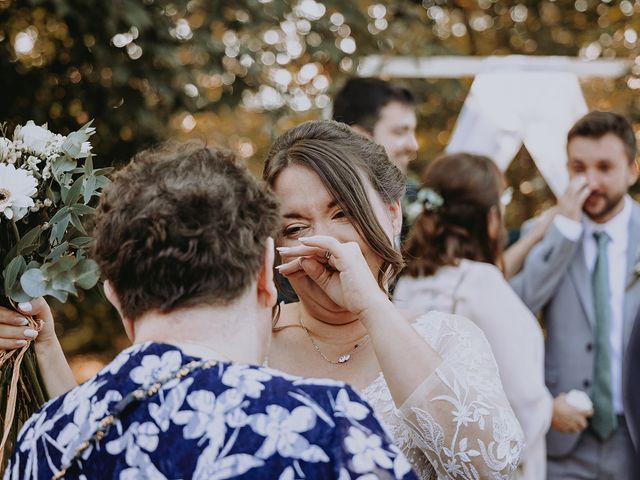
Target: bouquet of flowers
(47,187)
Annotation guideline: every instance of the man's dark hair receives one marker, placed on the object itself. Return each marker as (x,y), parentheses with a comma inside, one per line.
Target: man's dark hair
(597,124)
(361,99)
(182,225)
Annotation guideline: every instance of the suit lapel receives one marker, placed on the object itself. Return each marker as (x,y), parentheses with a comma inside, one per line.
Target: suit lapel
(632,290)
(581,278)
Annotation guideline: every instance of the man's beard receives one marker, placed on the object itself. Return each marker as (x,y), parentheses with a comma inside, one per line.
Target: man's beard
(610,204)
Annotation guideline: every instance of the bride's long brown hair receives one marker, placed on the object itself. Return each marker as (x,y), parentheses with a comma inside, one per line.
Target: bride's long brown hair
(470,187)
(343,159)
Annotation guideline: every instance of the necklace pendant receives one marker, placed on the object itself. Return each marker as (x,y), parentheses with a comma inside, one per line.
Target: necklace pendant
(344,358)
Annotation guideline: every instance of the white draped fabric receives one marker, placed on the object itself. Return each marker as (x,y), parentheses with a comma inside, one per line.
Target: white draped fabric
(506,109)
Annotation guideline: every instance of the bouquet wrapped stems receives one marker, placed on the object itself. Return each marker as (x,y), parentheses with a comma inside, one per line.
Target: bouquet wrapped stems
(22,392)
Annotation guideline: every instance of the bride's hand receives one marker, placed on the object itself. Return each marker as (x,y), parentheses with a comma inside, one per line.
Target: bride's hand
(339,269)
(14,329)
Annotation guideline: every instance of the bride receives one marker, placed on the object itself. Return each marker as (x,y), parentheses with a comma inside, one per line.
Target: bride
(432,380)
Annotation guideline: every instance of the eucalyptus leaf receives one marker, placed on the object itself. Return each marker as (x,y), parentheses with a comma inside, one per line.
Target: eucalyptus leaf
(10,256)
(71,196)
(100,172)
(102,181)
(80,242)
(12,272)
(58,251)
(64,281)
(59,229)
(76,222)
(34,282)
(89,188)
(17,294)
(60,214)
(62,264)
(29,241)
(82,209)
(59,295)
(62,165)
(88,165)
(72,145)
(86,274)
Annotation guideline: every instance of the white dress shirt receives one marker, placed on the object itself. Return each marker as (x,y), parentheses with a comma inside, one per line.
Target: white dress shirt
(618,230)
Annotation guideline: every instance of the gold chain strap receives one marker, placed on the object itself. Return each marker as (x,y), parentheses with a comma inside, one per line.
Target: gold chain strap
(127,404)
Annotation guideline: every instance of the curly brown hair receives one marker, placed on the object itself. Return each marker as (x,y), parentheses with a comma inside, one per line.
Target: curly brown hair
(182,225)
(470,186)
(341,157)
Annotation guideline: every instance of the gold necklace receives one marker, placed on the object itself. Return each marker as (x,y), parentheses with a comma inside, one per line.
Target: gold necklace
(345,357)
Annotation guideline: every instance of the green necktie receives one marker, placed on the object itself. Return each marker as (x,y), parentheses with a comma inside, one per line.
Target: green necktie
(603,422)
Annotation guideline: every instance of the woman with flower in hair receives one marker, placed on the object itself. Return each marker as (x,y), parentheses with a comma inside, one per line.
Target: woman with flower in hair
(454,263)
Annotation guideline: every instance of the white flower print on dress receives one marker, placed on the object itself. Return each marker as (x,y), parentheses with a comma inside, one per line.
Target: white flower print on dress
(154,367)
(351,410)
(207,416)
(138,441)
(248,381)
(367,451)
(213,467)
(164,412)
(282,429)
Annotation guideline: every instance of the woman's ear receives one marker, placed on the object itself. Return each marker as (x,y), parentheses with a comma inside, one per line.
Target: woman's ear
(494,223)
(267,292)
(395,212)
(113,298)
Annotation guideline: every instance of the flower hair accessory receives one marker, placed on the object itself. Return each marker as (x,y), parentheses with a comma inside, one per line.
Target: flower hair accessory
(427,199)
(431,199)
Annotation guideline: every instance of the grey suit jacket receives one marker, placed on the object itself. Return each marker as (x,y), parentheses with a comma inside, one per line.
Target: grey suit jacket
(555,280)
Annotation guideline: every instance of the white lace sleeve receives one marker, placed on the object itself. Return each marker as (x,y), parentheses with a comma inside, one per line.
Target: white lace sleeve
(460,417)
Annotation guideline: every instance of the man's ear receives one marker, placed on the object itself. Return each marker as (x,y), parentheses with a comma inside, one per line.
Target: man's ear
(362,131)
(633,168)
(267,292)
(113,298)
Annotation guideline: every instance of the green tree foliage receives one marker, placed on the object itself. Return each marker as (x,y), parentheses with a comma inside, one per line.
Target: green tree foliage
(132,65)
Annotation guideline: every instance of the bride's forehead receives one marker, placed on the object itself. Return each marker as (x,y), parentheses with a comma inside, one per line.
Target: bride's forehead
(300,185)
(304,194)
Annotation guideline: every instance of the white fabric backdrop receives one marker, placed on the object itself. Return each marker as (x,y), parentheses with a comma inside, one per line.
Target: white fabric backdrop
(506,109)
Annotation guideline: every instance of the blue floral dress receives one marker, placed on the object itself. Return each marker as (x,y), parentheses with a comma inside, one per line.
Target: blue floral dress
(228,421)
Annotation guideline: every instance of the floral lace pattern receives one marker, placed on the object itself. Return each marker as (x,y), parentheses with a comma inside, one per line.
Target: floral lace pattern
(229,421)
(458,424)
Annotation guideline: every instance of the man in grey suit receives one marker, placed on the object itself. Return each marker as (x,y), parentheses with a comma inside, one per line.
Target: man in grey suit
(581,277)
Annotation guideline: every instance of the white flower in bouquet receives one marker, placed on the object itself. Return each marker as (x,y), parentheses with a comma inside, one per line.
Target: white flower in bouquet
(17,186)
(7,151)
(34,137)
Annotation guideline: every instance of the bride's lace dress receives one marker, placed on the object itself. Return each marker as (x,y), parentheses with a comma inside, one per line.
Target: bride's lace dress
(458,424)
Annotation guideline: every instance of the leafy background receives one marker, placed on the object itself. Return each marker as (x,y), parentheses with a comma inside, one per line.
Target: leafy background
(239,73)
